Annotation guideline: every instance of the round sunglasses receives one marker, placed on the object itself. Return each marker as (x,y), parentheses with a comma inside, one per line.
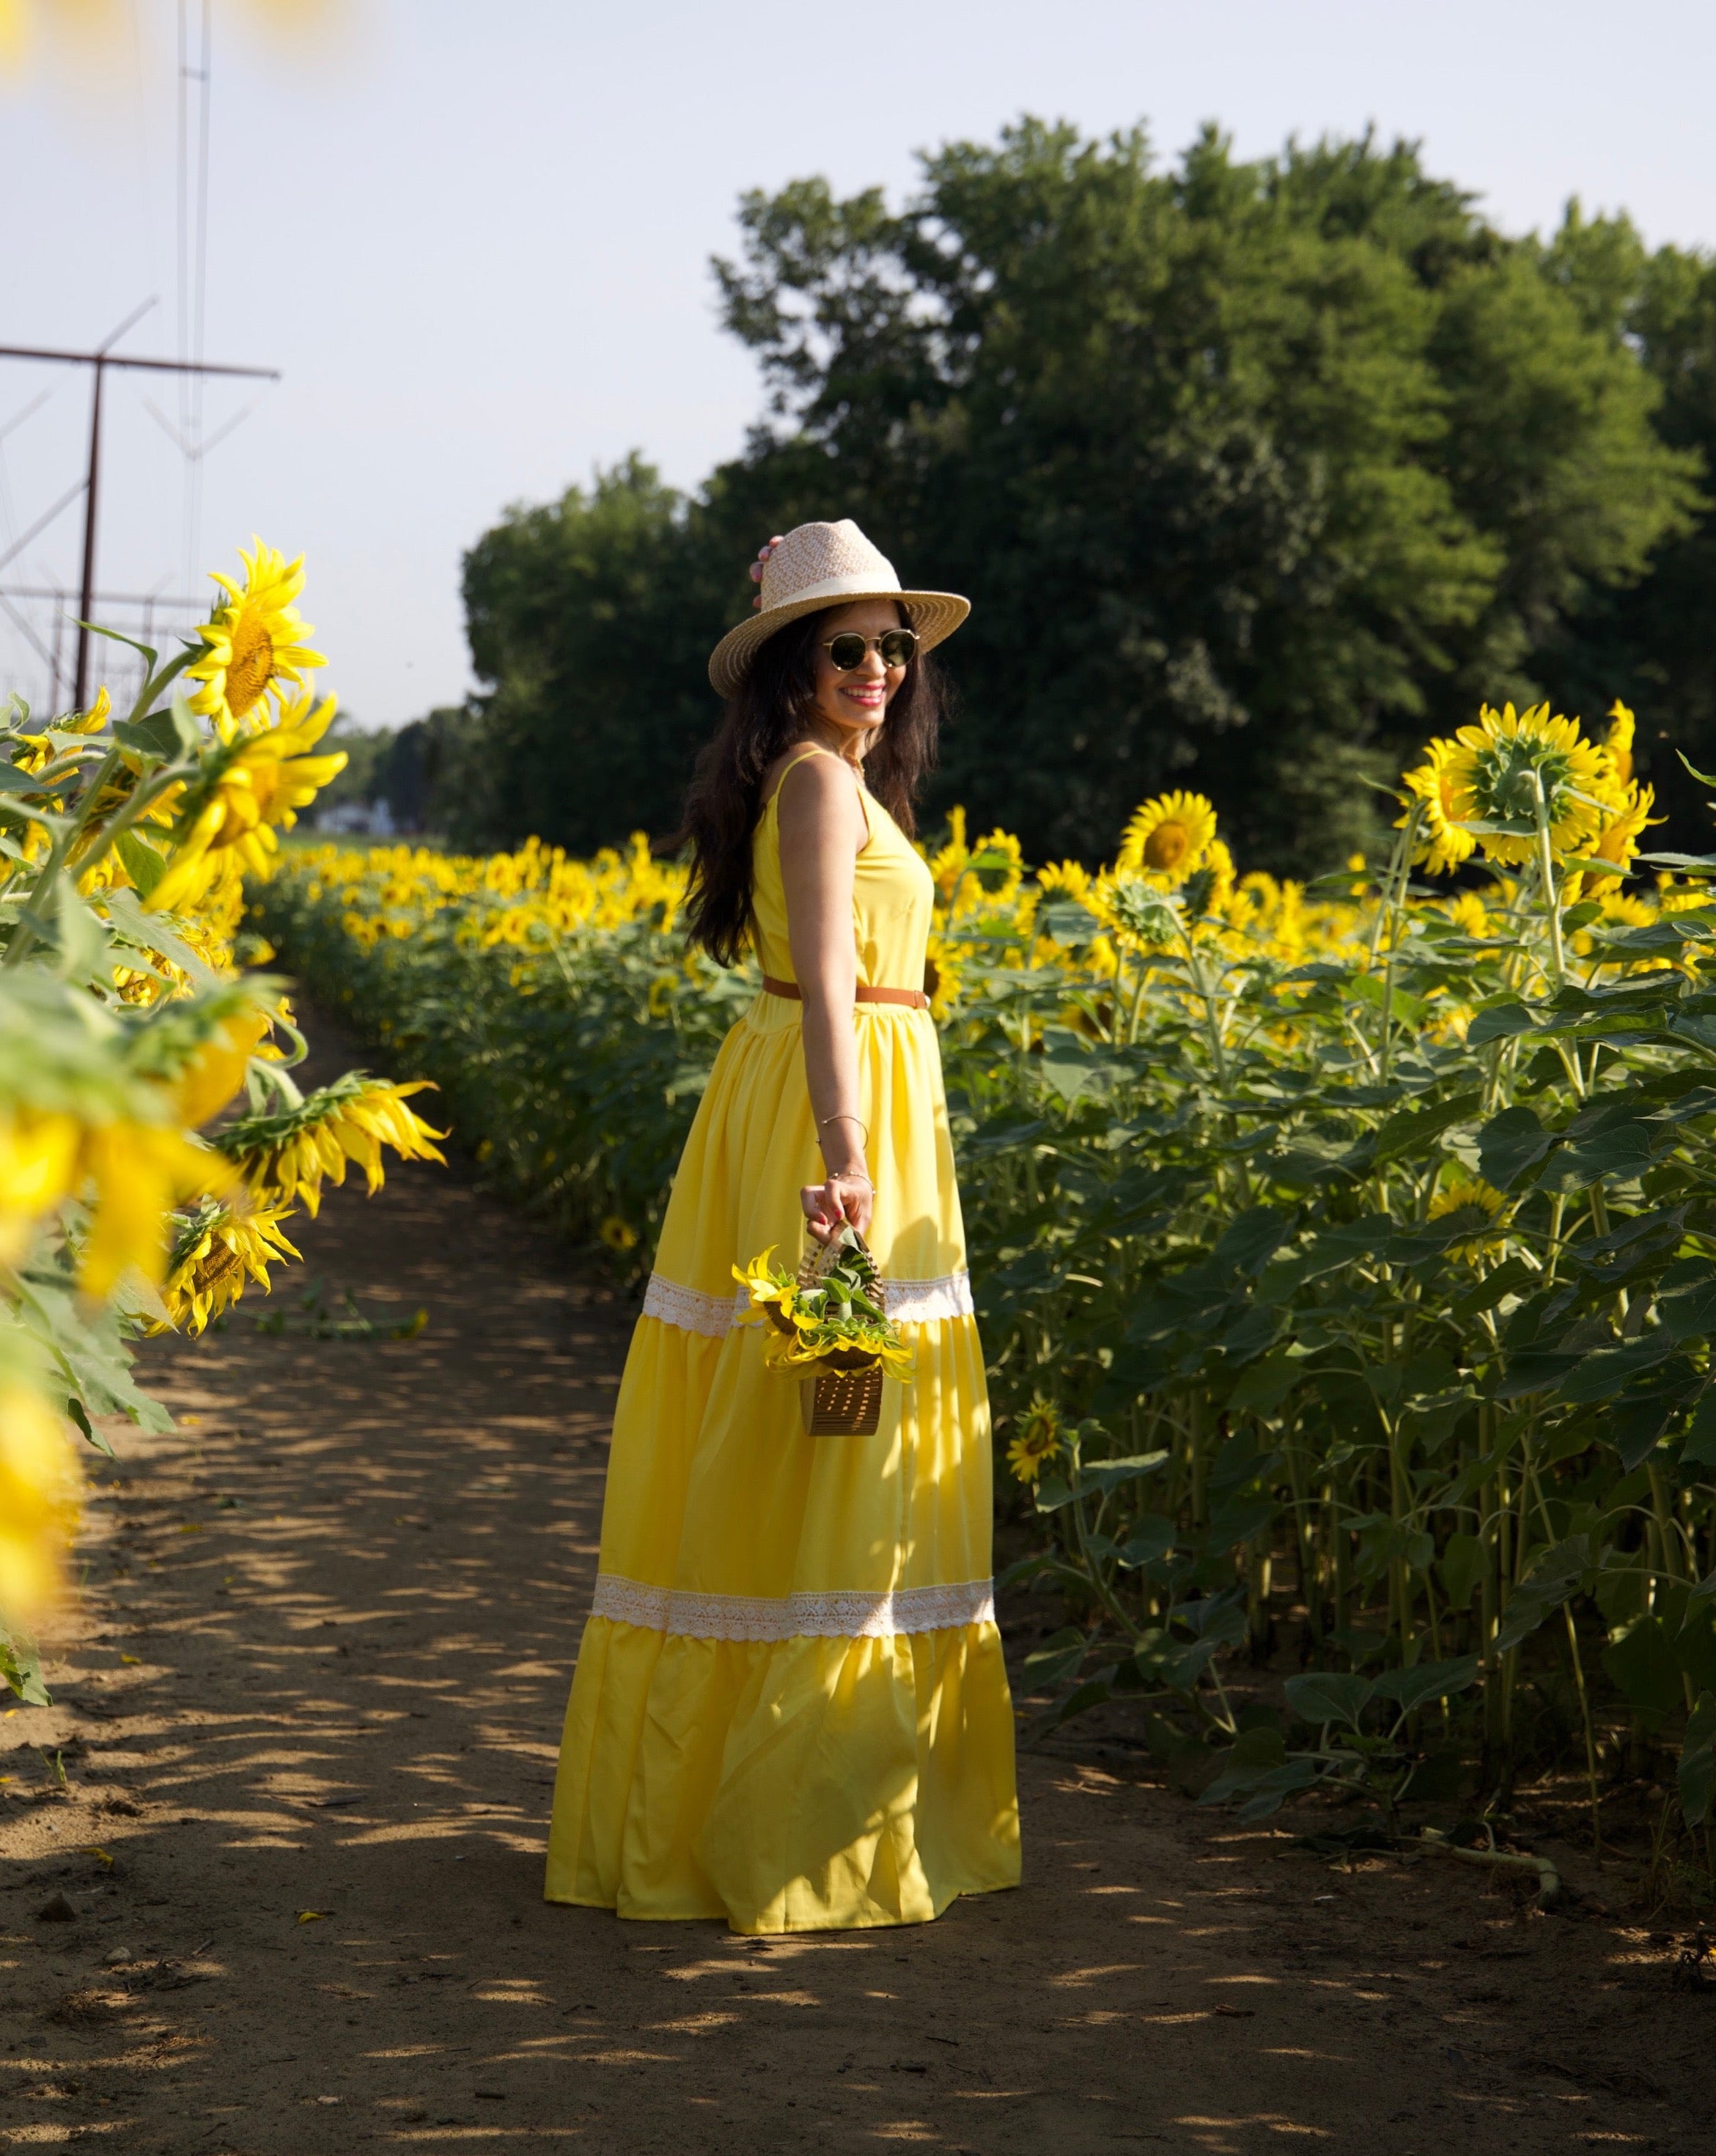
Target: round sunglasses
(898,648)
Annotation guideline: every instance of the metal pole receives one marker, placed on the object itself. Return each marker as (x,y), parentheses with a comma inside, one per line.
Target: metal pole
(86,599)
(58,645)
(101,359)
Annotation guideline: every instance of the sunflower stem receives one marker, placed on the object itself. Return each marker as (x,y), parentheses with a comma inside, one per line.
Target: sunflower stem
(1399,875)
(1546,872)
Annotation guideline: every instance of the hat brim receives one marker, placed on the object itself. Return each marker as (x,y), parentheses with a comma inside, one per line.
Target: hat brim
(935,615)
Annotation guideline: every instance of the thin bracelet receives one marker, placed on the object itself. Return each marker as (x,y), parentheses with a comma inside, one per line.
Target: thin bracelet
(849,1175)
(859,1120)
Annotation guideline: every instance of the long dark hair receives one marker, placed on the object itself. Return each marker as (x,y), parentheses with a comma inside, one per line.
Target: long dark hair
(771,711)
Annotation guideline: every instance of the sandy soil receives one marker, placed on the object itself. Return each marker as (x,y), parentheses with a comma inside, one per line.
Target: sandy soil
(306,1720)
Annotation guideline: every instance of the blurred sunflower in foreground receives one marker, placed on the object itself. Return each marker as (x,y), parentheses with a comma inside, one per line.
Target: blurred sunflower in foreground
(251,788)
(127,1028)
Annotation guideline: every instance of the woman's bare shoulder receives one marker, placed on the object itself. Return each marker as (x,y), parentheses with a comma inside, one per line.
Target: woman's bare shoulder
(817,792)
(801,752)
(811,775)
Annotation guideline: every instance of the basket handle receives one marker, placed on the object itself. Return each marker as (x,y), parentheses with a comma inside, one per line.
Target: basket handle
(821,1259)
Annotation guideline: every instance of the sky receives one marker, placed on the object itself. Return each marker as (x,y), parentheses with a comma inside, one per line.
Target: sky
(474,240)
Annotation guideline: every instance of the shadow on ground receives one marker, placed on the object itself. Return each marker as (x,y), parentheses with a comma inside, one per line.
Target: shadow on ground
(306,1723)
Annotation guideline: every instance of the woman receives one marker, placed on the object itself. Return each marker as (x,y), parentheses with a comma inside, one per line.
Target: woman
(790,1708)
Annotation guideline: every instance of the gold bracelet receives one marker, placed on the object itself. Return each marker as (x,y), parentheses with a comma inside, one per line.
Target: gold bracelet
(864,1126)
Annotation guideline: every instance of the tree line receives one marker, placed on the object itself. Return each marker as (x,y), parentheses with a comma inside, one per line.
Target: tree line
(1256,472)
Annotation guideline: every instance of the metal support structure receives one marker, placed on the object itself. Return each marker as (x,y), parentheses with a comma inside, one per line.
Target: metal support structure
(101,359)
(86,590)
(133,612)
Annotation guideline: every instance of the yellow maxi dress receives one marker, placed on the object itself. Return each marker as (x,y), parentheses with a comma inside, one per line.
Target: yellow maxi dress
(789,1708)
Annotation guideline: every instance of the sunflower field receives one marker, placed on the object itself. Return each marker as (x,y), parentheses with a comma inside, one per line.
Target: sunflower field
(1346,1254)
(129,1030)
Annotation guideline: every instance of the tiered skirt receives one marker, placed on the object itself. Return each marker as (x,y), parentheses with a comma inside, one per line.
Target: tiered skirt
(790,1709)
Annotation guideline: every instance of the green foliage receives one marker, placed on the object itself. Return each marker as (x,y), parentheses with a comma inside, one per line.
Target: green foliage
(21,1669)
(570,1065)
(1387,1273)
(1251,469)
(585,615)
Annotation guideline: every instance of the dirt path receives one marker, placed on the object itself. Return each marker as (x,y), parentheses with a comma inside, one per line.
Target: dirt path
(308,1718)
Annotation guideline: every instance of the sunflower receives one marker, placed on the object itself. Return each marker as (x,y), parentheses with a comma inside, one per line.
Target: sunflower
(212,1076)
(254,644)
(39,1151)
(283,1158)
(767,1284)
(1468,913)
(218,1250)
(997,867)
(1618,841)
(1038,1439)
(1618,742)
(617,1233)
(943,971)
(839,1312)
(139,1171)
(1223,877)
(1443,845)
(248,787)
(39,1501)
(947,867)
(1135,909)
(1497,767)
(1464,1193)
(1071,878)
(132,1173)
(1167,838)
(87,722)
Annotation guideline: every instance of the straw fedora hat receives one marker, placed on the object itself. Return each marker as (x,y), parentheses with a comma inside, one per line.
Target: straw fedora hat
(827,565)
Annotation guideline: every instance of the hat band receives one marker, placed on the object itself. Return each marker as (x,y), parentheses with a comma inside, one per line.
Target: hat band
(882,584)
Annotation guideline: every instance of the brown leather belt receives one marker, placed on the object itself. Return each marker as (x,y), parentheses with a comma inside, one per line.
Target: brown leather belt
(913,998)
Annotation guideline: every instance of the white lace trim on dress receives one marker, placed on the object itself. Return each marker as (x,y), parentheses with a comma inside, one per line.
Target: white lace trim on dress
(921,1302)
(688,1310)
(844,1614)
(909,1302)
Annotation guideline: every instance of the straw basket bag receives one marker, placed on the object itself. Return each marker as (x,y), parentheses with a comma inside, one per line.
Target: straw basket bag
(844,1399)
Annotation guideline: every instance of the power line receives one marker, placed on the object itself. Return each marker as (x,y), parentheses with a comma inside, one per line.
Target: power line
(100,360)
(192,258)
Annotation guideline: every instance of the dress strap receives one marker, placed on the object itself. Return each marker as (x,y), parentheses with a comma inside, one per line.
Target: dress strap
(808,749)
(815,748)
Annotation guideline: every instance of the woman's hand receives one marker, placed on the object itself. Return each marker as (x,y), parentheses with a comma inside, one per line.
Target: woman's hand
(845,1200)
(763,555)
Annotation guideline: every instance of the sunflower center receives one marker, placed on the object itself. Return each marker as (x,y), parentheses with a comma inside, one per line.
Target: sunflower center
(1167,847)
(252,666)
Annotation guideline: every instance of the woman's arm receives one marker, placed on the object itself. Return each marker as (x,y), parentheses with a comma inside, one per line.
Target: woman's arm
(822,831)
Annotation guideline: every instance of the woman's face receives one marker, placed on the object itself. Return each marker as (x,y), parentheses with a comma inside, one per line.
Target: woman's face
(855,702)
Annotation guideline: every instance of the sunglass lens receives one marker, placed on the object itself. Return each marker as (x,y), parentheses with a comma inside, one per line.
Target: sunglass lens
(846,651)
(899,647)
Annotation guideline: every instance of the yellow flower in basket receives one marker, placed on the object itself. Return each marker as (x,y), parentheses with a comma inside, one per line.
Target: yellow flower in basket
(830,1316)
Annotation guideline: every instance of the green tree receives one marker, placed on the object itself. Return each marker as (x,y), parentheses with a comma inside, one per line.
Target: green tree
(1254,473)
(590,621)
(1649,641)
(1252,470)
